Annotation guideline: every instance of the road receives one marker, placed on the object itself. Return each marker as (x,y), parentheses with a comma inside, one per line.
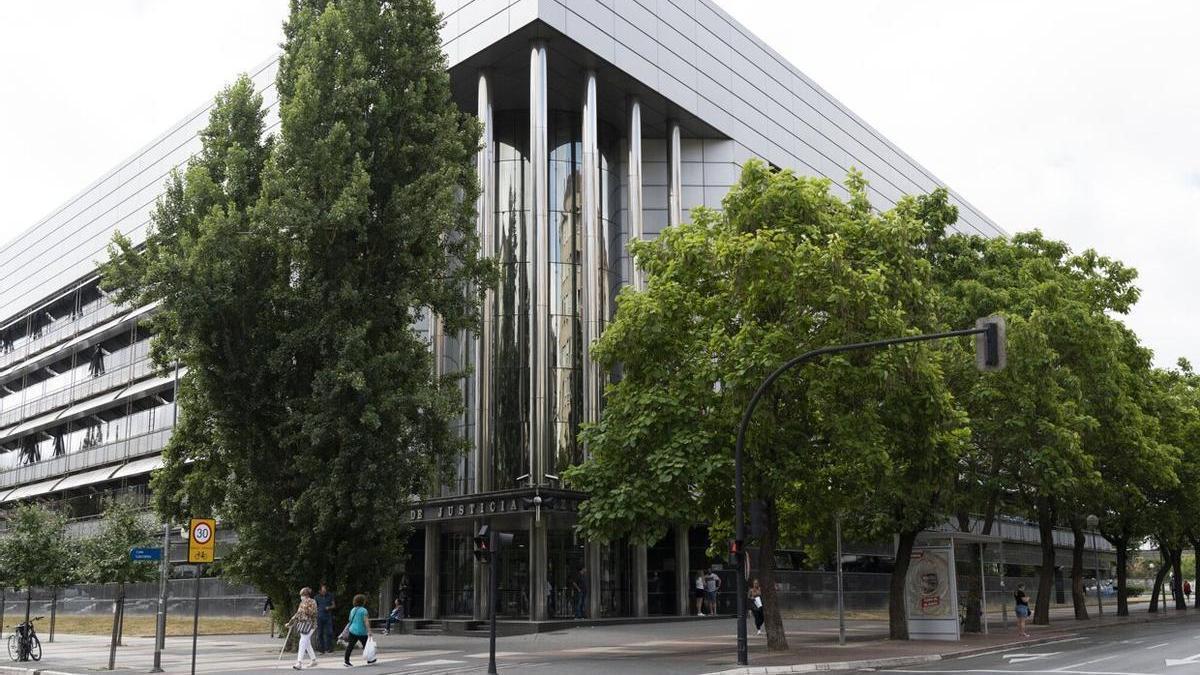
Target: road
(681,647)
(1159,648)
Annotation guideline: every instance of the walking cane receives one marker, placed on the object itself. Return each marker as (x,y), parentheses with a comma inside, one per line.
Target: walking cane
(279,658)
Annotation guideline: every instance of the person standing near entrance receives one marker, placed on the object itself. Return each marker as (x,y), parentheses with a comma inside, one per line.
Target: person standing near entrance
(712,584)
(698,592)
(1187,589)
(325,607)
(1022,609)
(581,592)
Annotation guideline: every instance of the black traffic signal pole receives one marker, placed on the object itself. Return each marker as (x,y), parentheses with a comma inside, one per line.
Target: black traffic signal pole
(493,545)
(993,358)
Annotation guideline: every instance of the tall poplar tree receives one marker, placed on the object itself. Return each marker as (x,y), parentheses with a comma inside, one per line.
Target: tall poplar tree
(291,272)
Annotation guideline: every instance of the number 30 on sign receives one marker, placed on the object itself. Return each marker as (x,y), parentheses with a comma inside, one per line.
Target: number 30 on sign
(202,540)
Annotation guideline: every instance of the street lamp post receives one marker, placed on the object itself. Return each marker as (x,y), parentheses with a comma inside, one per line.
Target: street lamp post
(1092,522)
(989,355)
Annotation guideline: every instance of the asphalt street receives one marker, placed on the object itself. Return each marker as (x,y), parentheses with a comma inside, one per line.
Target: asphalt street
(1163,647)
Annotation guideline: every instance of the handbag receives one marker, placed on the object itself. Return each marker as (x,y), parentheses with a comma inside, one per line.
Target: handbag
(344,636)
(303,626)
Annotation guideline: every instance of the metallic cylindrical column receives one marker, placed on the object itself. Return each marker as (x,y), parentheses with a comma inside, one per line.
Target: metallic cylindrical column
(539,221)
(591,313)
(637,228)
(674,175)
(485,167)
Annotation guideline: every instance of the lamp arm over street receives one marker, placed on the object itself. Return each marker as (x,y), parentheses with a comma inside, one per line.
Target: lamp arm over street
(990,356)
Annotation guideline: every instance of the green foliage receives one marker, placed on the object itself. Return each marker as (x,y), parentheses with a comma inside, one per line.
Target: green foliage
(784,268)
(290,272)
(104,556)
(36,550)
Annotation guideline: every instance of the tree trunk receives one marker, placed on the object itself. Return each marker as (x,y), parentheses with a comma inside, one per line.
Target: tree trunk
(973,623)
(773,620)
(1177,583)
(897,617)
(121,622)
(53,612)
(3,604)
(1122,547)
(1045,512)
(112,645)
(1158,578)
(1196,571)
(1078,597)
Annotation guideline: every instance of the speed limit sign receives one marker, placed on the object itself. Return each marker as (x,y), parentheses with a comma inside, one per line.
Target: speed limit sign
(202,540)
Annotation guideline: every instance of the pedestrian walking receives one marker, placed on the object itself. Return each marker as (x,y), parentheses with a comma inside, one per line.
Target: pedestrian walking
(325,606)
(756,606)
(394,616)
(698,592)
(712,585)
(1022,609)
(356,629)
(1187,589)
(580,584)
(268,608)
(304,623)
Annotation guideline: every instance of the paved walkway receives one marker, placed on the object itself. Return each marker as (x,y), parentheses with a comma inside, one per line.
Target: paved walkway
(694,647)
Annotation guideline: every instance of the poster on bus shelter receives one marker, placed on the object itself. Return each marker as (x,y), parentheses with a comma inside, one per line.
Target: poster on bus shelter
(931,594)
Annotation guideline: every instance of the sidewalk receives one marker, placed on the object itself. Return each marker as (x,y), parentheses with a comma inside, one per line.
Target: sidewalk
(877,651)
(695,647)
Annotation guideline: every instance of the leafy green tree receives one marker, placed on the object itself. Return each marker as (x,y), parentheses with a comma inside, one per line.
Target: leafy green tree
(785,267)
(105,558)
(1031,417)
(291,273)
(36,551)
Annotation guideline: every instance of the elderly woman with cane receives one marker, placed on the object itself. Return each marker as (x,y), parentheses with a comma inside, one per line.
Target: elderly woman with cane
(304,622)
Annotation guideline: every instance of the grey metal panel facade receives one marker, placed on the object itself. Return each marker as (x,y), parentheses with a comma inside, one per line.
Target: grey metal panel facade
(67,244)
(708,64)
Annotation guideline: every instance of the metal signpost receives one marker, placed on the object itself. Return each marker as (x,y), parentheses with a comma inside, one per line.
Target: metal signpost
(989,356)
(840,600)
(488,544)
(160,623)
(202,541)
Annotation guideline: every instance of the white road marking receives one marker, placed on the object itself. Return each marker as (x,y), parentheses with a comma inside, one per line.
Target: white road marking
(1191,660)
(1163,644)
(1023,672)
(1021,657)
(435,662)
(1009,648)
(1088,663)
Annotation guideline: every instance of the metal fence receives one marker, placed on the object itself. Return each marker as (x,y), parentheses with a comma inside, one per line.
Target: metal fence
(218,597)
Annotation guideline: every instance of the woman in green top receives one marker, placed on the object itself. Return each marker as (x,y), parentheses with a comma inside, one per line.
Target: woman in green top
(358,626)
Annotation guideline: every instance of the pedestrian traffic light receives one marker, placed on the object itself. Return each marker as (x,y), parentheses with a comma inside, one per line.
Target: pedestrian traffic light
(483,551)
(735,548)
(989,345)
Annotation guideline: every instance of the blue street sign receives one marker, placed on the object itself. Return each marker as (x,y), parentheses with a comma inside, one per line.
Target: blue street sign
(145,554)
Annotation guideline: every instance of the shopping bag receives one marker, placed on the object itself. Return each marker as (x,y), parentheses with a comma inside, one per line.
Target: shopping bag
(758,602)
(369,650)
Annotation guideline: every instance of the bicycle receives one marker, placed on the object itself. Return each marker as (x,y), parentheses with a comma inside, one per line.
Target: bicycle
(24,644)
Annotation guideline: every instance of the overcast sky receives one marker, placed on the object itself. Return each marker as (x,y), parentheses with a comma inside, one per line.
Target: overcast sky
(1081,118)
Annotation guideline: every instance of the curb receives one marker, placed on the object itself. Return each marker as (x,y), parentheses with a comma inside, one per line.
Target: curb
(16,670)
(898,661)
(890,662)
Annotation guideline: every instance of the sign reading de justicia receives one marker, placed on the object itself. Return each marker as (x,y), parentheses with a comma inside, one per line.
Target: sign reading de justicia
(471,508)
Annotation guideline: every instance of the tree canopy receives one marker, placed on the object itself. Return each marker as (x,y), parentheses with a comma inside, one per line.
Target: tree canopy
(291,272)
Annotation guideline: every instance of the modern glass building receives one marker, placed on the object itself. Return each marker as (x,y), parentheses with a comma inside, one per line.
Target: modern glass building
(604,121)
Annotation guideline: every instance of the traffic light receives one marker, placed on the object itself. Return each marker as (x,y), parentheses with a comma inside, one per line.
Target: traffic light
(483,550)
(735,548)
(989,345)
